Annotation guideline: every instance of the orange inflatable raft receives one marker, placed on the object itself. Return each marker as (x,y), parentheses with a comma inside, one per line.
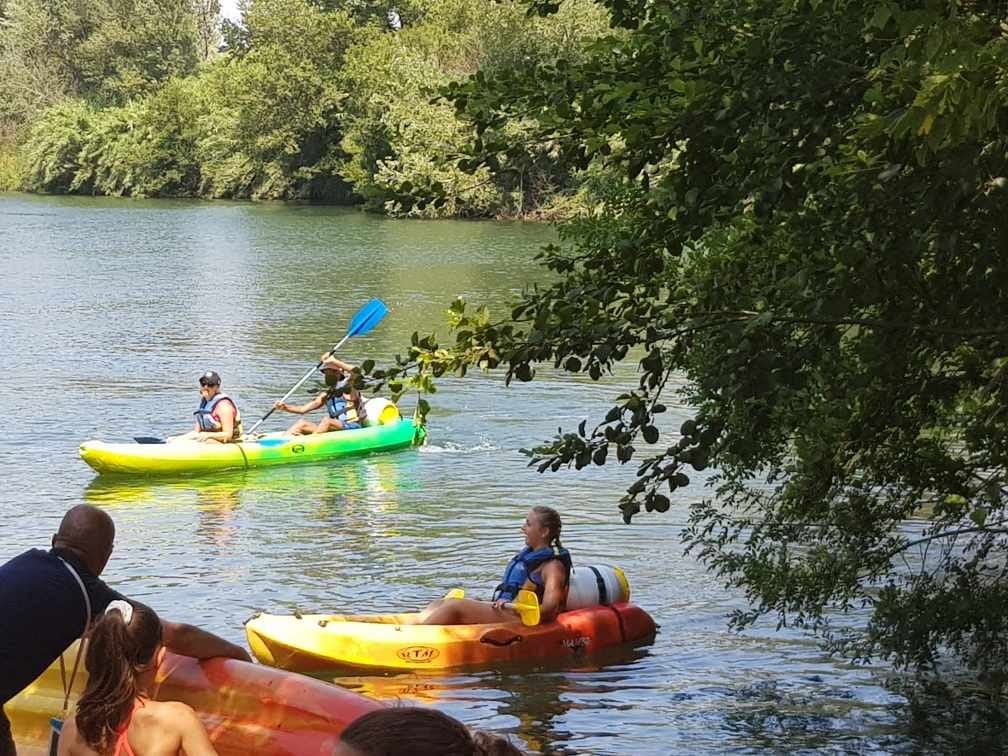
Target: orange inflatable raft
(247,709)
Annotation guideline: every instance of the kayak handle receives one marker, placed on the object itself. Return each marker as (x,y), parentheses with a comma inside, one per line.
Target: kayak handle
(500,637)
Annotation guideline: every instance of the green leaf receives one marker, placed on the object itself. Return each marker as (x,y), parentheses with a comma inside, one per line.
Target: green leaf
(979,516)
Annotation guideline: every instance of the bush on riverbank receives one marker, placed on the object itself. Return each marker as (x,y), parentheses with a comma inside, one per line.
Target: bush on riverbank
(10,171)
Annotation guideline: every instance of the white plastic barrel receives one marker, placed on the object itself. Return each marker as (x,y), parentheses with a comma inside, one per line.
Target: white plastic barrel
(597,584)
(380,411)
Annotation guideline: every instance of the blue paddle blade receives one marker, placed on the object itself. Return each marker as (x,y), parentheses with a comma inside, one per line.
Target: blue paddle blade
(367,317)
(272,441)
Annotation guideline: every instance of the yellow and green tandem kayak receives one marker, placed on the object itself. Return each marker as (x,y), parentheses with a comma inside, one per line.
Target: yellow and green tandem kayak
(272,449)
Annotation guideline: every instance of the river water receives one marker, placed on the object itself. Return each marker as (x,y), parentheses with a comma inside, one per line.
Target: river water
(111,309)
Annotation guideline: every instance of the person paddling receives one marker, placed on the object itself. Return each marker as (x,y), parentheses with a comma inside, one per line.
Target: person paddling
(342,401)
(543,566)
(217,419)
(115,715)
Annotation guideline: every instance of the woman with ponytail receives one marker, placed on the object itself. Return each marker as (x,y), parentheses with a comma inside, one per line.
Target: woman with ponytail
(115,715)
(543,566)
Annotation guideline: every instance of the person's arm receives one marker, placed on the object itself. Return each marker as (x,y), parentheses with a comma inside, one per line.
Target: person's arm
(554,577)
(300,409)
(195,741)
(328,359)
(191,641)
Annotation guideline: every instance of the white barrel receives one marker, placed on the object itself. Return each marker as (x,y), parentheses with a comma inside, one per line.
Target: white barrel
(597,584)
(380,411)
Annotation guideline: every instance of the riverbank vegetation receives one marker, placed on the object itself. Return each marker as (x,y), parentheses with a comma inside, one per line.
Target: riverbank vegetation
(810,222)
(307,100)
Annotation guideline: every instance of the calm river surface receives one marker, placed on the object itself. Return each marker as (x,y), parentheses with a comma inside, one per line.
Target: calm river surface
(111,309)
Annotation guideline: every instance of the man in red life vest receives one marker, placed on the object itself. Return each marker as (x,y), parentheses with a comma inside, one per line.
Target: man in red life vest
(217,419)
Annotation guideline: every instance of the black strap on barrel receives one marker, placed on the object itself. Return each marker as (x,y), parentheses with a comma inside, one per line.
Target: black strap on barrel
(603,594)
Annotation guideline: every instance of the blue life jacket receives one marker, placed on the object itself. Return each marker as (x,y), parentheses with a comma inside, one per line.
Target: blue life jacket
(208,423)
(340,406)
(525,566)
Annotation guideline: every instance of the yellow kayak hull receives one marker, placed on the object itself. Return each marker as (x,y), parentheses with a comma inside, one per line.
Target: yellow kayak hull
(316,643)
(274,449)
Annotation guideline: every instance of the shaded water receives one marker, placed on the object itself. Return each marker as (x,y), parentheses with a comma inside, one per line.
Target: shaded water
(113,308)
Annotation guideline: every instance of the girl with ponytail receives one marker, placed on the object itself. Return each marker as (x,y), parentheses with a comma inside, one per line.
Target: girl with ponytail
(115,715)
(543,566)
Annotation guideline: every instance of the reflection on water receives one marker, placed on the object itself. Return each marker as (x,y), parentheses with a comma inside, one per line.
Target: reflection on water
(532,703)
(112,298)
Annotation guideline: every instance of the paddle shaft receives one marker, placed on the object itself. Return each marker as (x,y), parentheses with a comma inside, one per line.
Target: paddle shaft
(297,385)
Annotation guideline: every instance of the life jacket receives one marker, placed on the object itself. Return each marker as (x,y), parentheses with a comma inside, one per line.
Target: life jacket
(206,416)
(341,406)
(524,566)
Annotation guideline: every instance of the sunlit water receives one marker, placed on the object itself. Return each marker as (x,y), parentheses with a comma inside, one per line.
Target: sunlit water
(113,308)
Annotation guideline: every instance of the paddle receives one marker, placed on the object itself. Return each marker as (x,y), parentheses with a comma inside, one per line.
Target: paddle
(268,441)
(367,318)
(526,603)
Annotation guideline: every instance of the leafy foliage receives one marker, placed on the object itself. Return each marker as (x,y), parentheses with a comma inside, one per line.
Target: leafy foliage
(106,52)
(402,142)
(52,159)
(805,217)
(312,100)
(110,50)
(136,45)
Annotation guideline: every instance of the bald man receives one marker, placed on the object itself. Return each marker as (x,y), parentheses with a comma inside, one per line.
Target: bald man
(43,608)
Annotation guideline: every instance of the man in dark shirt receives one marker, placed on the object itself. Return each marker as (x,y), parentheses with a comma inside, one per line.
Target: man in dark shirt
(43,607)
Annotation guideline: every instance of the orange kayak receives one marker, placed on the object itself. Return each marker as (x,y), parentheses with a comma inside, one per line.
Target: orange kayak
(316,643)
(246,708)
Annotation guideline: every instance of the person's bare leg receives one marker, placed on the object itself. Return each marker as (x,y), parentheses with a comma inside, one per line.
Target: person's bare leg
(302,428)
(464,612)
(328,424)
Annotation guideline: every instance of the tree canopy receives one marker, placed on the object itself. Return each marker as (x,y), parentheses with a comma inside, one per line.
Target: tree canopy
(801,208)
(309,100)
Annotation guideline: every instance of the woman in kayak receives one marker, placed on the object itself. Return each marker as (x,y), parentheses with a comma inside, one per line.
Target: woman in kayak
(342,401)
(115,716)
(543,566)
